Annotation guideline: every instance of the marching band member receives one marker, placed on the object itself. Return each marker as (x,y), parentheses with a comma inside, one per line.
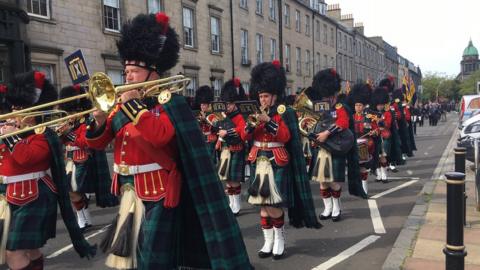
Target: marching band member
(86,169)
(162,168)
(278,165)
(203,97)
(397,105)
(329,169)
(380,99)
(33,181)
(232,149)
(365,129)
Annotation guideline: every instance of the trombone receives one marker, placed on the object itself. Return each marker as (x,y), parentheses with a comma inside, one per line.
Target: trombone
(104,96)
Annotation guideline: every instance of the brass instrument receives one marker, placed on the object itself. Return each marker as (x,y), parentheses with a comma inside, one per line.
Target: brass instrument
(213,118)
(308,118)
(252,119)
(104,96)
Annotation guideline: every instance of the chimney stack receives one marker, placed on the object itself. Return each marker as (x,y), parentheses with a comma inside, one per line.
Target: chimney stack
(360,28)
(347,20)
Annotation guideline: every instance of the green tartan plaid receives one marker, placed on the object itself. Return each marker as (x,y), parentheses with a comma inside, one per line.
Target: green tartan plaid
(83,178)
(387,145)
(236,170)
(204,196)
(338,167)
(211,150)
(282,180)
(302,213)
(100,175)
(395,146)
(34,223)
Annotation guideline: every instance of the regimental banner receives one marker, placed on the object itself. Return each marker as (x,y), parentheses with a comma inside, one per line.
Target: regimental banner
(77,68)
(219,106)
(248,107)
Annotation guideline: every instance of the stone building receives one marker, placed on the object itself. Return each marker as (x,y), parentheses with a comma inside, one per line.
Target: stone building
(470,62)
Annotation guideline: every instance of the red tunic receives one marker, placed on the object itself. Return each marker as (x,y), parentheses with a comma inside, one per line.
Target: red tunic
(79,155)
(30,155)
(343,119)
(387,120)
(138,144)
(408,115)
(260,134)
(207,132)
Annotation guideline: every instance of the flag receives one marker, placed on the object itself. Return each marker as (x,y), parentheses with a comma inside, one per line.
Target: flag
(347,87)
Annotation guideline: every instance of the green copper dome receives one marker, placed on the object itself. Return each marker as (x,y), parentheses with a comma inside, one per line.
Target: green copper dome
(470,50)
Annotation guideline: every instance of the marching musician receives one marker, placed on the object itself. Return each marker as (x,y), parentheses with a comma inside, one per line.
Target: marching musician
(162,168)
(278,166)
(33,180)
(365,129)
(380,99)
(328,168)
(86,168)
(204,97)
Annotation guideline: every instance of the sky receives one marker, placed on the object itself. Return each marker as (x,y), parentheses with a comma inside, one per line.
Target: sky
(429,33)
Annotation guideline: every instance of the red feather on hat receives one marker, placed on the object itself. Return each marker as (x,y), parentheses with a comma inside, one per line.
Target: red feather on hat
(236,82)
(3,88)
(163,20)
(333,71)
(277,64)
(39,78)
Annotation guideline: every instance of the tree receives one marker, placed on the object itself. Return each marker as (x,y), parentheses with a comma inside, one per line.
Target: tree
(469,86)
(437,85)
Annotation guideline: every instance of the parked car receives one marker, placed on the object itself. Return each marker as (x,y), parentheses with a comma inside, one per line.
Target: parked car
(471,127)
(469,106)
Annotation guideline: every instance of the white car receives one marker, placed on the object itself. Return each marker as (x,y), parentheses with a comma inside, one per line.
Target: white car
(471,128)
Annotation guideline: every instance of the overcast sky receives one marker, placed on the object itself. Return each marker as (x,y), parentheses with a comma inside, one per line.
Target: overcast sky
(429,33)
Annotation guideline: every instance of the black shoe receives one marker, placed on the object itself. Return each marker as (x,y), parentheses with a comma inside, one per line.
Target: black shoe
(385,181)
(278,256)
(337,218)
(322,217)
(263,255)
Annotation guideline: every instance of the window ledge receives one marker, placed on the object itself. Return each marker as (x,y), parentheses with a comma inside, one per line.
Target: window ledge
(40,19)
(220,53)
(111,33)
(259,14)
(193,49)
(272,20)
(244,8)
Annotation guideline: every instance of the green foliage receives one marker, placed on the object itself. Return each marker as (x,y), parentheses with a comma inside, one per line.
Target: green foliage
(440,86)
(469,86)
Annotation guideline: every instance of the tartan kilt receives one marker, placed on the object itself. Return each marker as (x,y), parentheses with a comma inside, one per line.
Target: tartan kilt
(387,146)
(282,180)
(32,224)
(314,151)
(156,239)
(339,163)
(85,176)
(236,171)
(212,152)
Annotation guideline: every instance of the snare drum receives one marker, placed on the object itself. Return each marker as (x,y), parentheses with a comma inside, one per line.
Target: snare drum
(363,153)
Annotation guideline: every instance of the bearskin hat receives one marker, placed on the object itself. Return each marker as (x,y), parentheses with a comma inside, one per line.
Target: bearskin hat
(290,100)
(398,94)
(268,78)
(149,42)
(77,105)
(4,108)
(232,91)
(326,83)
(29,89)
(203,95)
(387,83)
(379,96)
(360,94)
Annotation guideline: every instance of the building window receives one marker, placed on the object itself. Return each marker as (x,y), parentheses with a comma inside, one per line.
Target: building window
(332,61)
(244,45)
(339,64)
(192,86)
(325,34)
(259,48)
(273,49)
(244,4)
(332,38)
(47,69)
(325,61)
(39,8)
(259,9)
(345,45)
(188,27)
(317,63)
(307,25)
(298,23)
(272,9)
(215,34)
(111,15)
(307,62)
(286,13)
(116,75)
(155,6)
(298,56)
(317,30)
(339,40)
(287,57)
(289,90)
(217,87)
(246,87)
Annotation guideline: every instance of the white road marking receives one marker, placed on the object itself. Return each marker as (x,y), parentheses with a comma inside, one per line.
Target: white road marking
(403,178)
(426,153)
(388,191)
(347,253)
(66,248)
(409,172)
(376,218)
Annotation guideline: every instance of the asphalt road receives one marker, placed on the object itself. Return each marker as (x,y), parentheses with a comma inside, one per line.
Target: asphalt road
(308,248)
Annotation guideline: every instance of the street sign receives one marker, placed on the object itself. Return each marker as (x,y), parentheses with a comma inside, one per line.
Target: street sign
(77,68)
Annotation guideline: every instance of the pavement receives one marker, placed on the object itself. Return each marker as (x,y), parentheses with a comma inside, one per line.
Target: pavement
(423,237)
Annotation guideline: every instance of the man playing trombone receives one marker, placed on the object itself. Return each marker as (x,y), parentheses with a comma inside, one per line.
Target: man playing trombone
(32,179)
(162,167)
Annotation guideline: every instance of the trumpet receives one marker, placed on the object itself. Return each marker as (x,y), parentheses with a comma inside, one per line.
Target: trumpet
(252,119)
(104,96)
(213,118)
